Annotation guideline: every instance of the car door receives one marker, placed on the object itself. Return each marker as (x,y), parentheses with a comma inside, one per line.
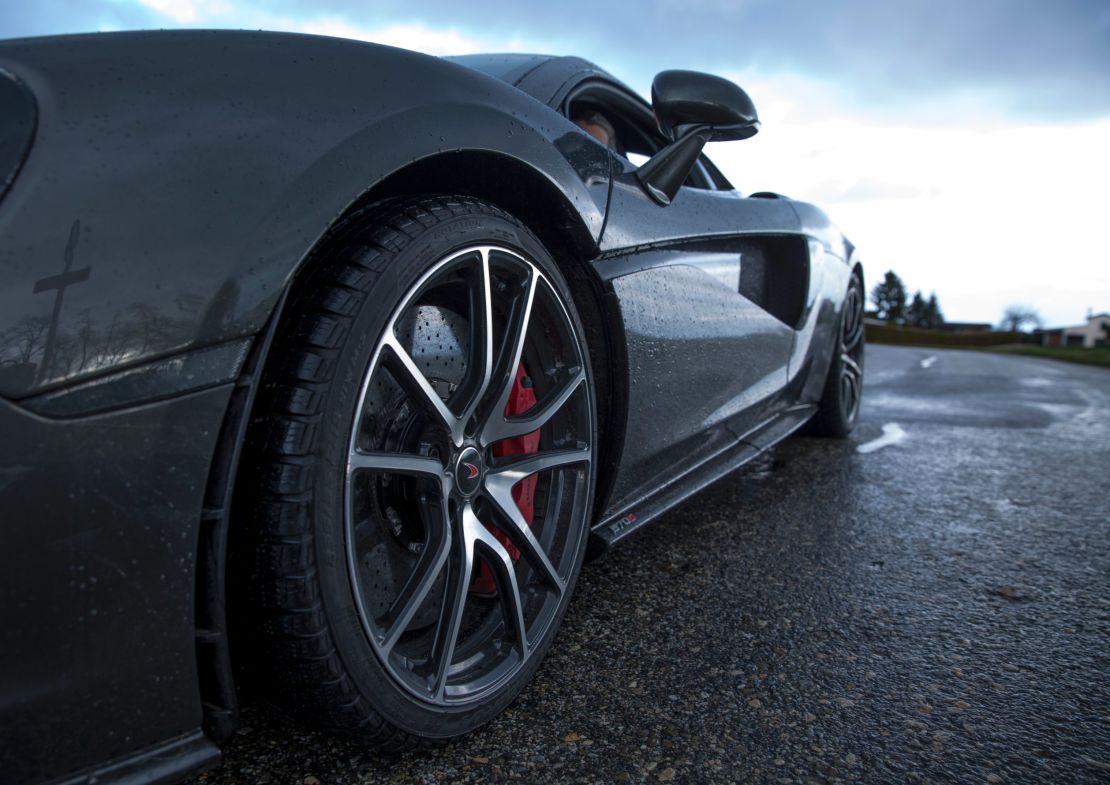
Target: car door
(708,348)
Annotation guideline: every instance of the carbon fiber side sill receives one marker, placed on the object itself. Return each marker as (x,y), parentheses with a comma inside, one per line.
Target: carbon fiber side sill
(632,517)
(166,763)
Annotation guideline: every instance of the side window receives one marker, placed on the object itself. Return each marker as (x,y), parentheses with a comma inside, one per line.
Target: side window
(627,126)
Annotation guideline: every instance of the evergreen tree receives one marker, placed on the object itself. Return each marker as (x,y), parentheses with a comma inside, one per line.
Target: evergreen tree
(933,312)
(917,314)
(889,297)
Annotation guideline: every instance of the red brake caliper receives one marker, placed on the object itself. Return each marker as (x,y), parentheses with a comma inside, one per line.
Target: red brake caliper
(521,399)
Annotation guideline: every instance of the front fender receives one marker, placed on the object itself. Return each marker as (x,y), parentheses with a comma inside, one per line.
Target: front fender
(569,163)
(178,179)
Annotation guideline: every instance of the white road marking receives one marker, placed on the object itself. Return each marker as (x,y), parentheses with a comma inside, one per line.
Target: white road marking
(928,361)
(892,434)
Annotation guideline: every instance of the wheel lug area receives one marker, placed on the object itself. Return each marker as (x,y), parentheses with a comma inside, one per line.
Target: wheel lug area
(467,469)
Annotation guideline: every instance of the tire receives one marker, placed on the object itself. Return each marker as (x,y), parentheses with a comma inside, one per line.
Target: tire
(420,471)
(838,409)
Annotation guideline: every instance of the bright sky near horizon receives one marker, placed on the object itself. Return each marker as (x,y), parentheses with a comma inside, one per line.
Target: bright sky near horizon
(963,145)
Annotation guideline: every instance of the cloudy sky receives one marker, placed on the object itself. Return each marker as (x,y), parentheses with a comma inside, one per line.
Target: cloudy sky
(966,145)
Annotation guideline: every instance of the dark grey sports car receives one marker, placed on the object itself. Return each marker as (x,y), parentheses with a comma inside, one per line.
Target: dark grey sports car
(324,365)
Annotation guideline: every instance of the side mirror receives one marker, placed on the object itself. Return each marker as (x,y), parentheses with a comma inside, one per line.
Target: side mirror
(692,108)
(684,100)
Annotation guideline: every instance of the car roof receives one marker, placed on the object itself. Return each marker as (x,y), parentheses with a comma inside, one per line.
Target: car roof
(547,78)
(508,67)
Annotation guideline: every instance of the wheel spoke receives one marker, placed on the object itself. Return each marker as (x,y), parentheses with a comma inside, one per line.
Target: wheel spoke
(509,474)
(460,567)
(508,590)
(512,347)
(853,320)
(850,374)
(499,489)
(410,377)
(851,384)
(481,342)
(848,395)
(424,574)
(851,380)
(521,534)
(853,338)
(396,463)
(850,365)
(500,427)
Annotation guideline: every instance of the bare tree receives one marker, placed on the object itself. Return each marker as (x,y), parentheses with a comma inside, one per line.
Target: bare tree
(26,339)
(1016,317)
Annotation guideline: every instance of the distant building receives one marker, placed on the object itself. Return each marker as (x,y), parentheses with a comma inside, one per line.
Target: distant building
(1093,333)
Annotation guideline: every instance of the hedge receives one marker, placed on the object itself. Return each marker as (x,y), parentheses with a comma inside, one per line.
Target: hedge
(915,336)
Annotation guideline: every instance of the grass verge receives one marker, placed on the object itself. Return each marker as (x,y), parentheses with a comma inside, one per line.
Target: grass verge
(1099,355)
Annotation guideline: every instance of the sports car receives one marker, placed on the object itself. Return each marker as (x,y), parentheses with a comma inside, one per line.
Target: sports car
(324,366)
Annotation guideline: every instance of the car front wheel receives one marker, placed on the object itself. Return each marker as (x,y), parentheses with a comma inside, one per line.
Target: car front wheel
(420,473)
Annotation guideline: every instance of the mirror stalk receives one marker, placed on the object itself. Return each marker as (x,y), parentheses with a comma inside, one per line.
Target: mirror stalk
(692,108)
(665,172)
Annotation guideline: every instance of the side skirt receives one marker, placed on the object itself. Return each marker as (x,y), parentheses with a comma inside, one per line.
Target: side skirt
(166,763)
(624,522)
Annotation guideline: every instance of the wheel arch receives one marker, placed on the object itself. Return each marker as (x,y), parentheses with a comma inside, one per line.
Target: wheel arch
(531,197)
(384,213)
(523,192)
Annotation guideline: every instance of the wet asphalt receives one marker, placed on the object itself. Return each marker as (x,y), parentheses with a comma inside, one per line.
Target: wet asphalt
(932,610)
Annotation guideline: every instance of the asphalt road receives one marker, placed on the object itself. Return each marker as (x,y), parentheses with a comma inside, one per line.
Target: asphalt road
(932,610)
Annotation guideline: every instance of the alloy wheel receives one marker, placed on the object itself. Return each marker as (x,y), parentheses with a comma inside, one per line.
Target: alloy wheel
(851,353)
(468,475)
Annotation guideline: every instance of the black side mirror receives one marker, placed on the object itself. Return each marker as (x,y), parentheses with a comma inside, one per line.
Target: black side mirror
(684,100)
(692,108)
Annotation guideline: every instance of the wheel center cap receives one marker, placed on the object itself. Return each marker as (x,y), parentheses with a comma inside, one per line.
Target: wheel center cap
(468,471)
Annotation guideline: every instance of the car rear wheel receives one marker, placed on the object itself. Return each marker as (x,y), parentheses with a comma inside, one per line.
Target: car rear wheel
(422,471)
(839,407)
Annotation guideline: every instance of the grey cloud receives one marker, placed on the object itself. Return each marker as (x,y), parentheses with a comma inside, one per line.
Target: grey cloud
(1027,58)
(1036,59)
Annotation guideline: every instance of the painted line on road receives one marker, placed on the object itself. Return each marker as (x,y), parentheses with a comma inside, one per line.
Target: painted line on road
(928,361)
(892,434)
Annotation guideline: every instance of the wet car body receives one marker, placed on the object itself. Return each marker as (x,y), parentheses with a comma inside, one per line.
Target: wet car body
(163,192)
